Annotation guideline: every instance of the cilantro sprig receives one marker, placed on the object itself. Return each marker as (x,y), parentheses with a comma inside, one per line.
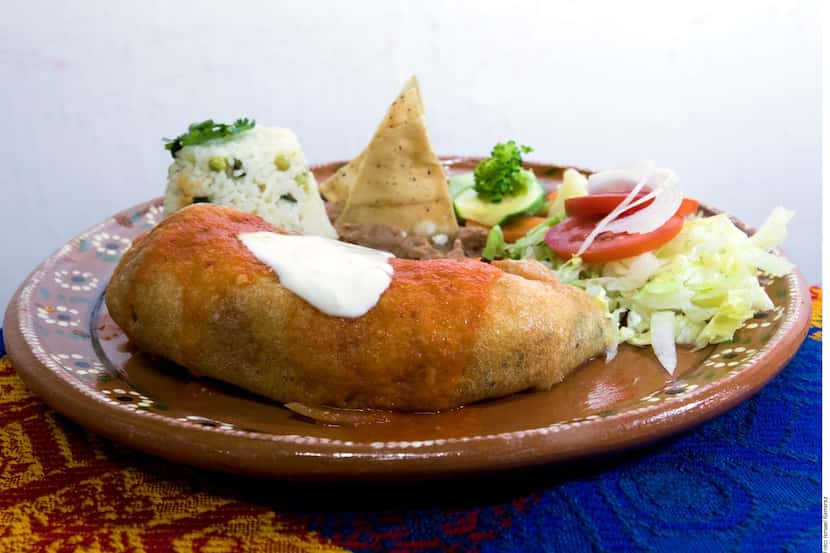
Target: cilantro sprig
(199,133)
(501,174)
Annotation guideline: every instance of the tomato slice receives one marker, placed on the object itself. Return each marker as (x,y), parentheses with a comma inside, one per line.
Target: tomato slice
(597,204)
(688,207)
(566,238)
(603,204)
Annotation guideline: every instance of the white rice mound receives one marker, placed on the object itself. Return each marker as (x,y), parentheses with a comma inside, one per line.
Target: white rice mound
(261,171)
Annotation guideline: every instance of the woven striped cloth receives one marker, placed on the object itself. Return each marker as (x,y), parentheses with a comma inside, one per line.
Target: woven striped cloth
(746,481)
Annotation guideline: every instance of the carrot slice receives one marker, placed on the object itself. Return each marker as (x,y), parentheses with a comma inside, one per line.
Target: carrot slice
(515,230)
(519,228)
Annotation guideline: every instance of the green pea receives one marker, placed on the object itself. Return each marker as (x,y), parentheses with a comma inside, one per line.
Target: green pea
(218,163)
(302,180)
(282,162)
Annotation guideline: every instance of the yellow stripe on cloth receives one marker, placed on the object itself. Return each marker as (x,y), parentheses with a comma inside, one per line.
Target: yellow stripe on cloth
(815,319)
(65,489)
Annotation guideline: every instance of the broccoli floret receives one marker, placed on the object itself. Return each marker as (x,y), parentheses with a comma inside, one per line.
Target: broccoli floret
(501,174)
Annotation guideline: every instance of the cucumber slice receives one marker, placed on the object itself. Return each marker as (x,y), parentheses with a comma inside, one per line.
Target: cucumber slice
(460,183)
(469,206)
(457,185)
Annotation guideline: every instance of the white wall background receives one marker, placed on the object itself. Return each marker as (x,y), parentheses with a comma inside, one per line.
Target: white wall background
(726,93)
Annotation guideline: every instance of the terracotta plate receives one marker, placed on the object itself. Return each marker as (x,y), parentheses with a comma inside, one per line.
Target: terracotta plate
(68,350)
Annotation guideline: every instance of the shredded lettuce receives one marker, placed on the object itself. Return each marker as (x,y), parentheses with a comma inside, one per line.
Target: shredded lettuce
(529,246)
(662,339)
(495,245)
(697,290)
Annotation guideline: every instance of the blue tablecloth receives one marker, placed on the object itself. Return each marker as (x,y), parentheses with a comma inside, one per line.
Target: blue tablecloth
(746,481)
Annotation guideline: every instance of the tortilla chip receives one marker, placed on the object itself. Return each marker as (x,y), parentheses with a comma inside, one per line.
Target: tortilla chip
(397,180)
(337,187)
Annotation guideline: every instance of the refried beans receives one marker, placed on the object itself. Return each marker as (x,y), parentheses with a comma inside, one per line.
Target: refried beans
(468,241)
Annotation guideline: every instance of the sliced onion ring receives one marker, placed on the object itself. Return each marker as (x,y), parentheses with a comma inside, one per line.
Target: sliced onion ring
(647,172)
(667,200)
(621,181)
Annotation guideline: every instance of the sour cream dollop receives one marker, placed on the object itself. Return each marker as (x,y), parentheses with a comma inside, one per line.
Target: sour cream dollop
(339,279)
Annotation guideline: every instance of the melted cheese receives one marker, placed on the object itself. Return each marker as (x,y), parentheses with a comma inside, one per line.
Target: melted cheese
(339,279)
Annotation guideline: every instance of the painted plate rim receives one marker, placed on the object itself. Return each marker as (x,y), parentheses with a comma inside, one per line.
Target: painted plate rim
(294,455)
